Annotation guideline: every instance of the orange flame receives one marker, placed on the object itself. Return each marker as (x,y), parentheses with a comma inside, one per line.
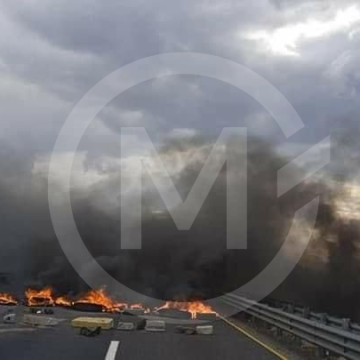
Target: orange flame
(139,306)
(62,301)
(43,297)
(193,307)
(136,306)
(101,298)
(7,299)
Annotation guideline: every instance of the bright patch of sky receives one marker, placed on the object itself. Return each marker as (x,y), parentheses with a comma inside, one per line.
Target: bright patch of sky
(286,40)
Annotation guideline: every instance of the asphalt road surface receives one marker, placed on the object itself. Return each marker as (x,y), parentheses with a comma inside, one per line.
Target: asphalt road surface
(65,342)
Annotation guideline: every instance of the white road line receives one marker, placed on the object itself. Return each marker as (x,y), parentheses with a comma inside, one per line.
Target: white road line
(113,348)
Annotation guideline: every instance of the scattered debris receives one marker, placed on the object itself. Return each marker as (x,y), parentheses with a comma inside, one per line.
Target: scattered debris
(187,308)
(34,311)
(174,313)
(186,330)
(207,316)
(90,331)
(126,326)
(205,330)
(9,318)
(35,320)
(134,312)
(141,324)
(88,307)
(91,322)
(200,330)
(155,325)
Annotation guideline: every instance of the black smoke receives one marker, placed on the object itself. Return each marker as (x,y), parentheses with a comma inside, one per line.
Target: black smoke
(177,264)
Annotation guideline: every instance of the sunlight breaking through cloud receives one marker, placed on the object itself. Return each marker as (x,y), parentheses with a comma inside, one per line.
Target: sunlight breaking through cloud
(285,40)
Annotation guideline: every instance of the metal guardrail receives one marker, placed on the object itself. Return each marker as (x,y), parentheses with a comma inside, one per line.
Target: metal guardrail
(338,336)
(305,312)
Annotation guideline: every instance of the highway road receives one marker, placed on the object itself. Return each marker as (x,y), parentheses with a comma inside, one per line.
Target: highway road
(65,342)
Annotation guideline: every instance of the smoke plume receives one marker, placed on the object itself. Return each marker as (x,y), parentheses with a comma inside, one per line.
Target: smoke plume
(177,264)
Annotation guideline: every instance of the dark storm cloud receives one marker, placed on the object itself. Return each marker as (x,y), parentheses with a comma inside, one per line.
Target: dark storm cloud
(66,47)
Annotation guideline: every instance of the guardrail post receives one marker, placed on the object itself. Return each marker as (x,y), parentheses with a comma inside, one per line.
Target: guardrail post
(346,324)
(291,310)
(346,327)
(306,313)
(321,352)
(323,318)
(266,324)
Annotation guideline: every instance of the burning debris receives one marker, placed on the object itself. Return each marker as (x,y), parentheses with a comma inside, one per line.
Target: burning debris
(88,307)
(42,297)
(100,301)
(192,307)
(7,299)
(93,300)
(63,301)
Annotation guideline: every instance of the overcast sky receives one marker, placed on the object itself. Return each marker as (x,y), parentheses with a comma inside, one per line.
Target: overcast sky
(52,52)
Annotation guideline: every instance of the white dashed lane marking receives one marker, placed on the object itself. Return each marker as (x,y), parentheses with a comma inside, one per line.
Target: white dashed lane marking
(113,348)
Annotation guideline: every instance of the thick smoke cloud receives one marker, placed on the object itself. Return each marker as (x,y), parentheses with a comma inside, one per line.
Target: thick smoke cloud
(190,264)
